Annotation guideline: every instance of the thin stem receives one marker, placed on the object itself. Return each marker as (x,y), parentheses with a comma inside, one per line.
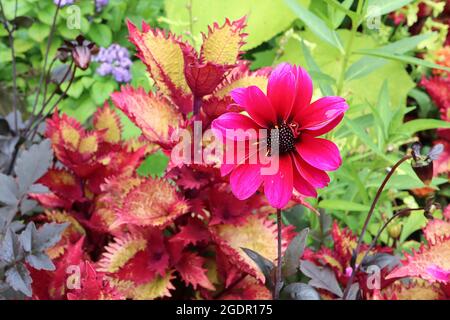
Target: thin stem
(47,101)
(47,52)
(385,225)
(348,48)
(10,32)
(197,104)
(372,245)
(277,286)
(369,216)
(41,117)
(47,78)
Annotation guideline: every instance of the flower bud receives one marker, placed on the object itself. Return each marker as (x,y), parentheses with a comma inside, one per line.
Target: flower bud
(394,230)
(81,51)
(423,164)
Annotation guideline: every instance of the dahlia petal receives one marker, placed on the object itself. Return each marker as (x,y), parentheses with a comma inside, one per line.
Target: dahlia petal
(256,104)
(327,128)
(320,153)
(281,90)
(317,178)
(321,113)
(304,91)
(232,121)
(225,169)
(245,180)
(303,187)
(278,187)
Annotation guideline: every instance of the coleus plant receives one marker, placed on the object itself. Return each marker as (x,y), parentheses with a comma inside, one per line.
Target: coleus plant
(180,235)
(184,235)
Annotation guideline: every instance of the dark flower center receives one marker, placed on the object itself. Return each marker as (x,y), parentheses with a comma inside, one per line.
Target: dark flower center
(280,139)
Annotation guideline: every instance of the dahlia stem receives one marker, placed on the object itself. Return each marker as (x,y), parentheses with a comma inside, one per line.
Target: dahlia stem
(277,286)
(366,222)
(197,104)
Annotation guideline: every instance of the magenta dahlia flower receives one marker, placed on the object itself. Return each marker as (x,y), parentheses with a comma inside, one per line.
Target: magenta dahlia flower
(292,123)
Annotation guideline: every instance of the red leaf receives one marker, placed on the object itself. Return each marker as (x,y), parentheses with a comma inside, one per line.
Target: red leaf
(192,272)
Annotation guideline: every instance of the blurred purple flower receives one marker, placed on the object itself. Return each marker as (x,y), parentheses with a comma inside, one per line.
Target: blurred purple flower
(100,4)
(114,60)
(63,3)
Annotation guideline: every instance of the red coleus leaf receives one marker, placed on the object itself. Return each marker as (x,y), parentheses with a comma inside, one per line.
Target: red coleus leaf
(425,262)
(190,268)
(73,146)
(241,80)
(345,243)
(435,230)
(439,90)
(93,286)
(202,77)
(193,232)
(222,45)
(66,270)
(247,289)
(190,177)
(446,213)
(119,253)
(162,53)
(72,234)
(226,208)
(156,116)
(51,200)
(138,265)
(257,233)
(153,202)
(63,183)
(416,290)
(105,119)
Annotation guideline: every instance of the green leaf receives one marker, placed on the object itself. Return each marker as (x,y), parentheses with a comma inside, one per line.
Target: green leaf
(341,11)
(367,65)
(343,205)
(330,60)
(262,25)
(38,31)
(325,87)
(362,135)
(22,45)
(76,89)
(423,100)
(316,25)
(154,165)
(100,34)
(417,125)
(403,58)
(414,222)
(100,91)
(382,7)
